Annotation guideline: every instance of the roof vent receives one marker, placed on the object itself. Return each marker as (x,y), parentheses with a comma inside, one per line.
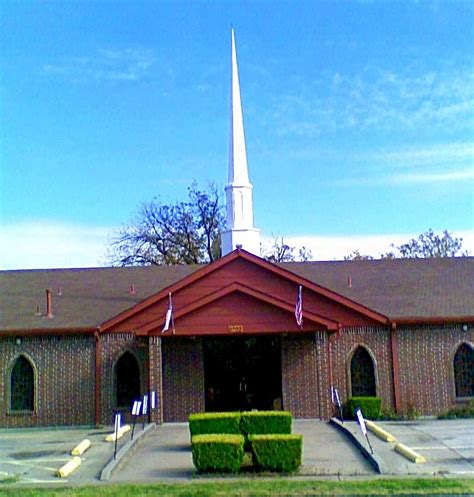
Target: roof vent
(38,312)
(132,289)
(349,281)
(49,304)
(60,291)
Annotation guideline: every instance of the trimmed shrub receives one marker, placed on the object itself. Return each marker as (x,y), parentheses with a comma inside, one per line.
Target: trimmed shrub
(277,452)
(218,453)
(214,422)
(370,406)
(265,422)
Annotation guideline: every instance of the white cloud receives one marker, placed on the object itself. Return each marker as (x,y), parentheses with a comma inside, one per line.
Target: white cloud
(105,64)
(380,100)
(327,248)
(50,244)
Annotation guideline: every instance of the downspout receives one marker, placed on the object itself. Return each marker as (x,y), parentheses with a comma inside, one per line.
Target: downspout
(395,366)
(98,384)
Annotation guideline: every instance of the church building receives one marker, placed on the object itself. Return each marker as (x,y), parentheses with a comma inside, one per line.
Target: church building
(240,333)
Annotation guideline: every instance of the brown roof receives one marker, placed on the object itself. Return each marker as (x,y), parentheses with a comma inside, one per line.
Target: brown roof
(84,298)
(401,288)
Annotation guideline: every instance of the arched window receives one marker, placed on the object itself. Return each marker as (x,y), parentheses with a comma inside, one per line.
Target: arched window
(127,380)
(22,386)
(362,374)
(463,365)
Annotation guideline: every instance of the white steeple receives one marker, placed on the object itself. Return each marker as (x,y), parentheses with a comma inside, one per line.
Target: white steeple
(239,203)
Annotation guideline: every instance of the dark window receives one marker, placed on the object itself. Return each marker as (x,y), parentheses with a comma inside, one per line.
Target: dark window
(22,387)
(127,377)
(464,371)
(362,374)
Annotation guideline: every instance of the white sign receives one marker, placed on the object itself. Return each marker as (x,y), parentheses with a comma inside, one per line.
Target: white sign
(361,422)
(117,423)
(152,399)
(136,408)
(145,405)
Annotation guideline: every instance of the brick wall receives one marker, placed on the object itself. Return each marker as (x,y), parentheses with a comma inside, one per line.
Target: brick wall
(376,340)
(426,366)
(112,346)
(183,378)
(155,374)
(305,382)
(64,378)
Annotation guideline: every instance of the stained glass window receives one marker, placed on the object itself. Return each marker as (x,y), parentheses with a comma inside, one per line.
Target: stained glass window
(362,374)
(464,371)
(127,380)
(22,387)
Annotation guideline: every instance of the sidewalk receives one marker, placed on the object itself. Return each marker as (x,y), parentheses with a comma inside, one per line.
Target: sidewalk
(447,445)
(165,455)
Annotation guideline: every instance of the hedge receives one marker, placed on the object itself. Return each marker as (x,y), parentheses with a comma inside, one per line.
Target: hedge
(214,422)
(265,422)
(221,453)
(277,452)
(370,406)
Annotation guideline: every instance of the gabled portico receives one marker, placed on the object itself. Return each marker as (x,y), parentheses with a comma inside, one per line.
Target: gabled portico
(250,303)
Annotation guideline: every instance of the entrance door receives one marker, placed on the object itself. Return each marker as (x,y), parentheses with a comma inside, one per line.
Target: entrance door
(242,373)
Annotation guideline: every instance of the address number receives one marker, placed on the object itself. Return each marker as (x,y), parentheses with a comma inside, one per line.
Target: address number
(235,328)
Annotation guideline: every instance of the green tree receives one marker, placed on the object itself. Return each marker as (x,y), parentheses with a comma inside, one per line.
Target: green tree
(181,233)
(427,244)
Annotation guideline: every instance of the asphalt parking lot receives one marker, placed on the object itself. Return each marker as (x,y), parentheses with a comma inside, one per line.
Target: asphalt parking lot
(447,445)
(32,456)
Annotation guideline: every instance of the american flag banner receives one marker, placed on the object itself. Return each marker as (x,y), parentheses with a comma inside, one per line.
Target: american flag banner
(299,307)
(169,316)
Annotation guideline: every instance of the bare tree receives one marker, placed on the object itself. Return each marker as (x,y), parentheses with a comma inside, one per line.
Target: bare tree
(181,233)
(279,251)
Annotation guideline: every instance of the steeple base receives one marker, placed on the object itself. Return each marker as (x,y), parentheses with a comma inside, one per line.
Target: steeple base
(248,239)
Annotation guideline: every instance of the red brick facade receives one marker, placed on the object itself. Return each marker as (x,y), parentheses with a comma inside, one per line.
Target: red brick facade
(74,370)
(173,367)
(64,380)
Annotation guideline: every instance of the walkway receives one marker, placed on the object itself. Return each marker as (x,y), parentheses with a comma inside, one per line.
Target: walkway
(165,454)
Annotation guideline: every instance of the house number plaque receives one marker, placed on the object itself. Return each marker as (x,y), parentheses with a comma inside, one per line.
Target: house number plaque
(235,328)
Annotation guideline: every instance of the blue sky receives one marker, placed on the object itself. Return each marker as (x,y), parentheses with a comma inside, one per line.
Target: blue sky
(359,119)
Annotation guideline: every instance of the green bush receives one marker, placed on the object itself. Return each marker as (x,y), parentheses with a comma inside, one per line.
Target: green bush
(220,453)
(214,422)
(370,406)
(265,422)
(277,452)
(459,412)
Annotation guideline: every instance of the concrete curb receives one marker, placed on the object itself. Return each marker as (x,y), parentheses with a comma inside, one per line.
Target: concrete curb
(376,462)
(124,453)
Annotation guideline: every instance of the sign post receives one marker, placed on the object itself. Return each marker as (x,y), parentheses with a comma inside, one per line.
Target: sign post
(337,401)
(116,431)
(135,413)
(361,421)
(144,410)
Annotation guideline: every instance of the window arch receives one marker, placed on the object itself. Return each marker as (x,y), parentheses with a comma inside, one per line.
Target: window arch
(463,365)
(22,385)
(362,374)
(127,380)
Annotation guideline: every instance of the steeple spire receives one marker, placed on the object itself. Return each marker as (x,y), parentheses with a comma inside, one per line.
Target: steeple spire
(239,203)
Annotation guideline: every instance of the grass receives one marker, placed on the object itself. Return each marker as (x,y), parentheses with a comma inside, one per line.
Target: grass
(275,487)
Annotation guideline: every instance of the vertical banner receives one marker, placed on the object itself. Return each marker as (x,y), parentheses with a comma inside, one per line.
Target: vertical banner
(336,400)
(135,413)
(144,410)
(361,421)
(117,426)
(152,400)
